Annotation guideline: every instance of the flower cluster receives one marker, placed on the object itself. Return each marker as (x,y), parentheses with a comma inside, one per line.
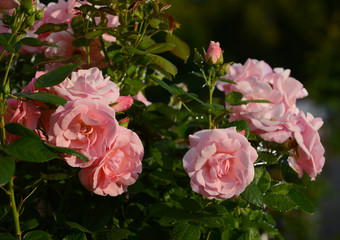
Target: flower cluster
(58,13)
(220,161)
(280,120)
(86,123)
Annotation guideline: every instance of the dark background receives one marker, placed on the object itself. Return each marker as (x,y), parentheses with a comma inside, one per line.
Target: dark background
(303,36)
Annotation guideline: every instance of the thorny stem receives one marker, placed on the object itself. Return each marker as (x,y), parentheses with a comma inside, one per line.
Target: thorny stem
(14,209)
(211,86)
(3,102)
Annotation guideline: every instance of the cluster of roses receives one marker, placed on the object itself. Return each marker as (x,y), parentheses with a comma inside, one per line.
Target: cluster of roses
(220,161)
(63,12)
(87,123)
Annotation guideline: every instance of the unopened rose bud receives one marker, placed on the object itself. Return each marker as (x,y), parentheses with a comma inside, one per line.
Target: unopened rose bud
(39,14)
(223,70)
(27,5)
(214,53)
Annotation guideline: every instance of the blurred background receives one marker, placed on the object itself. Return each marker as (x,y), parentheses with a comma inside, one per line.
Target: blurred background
(301,35)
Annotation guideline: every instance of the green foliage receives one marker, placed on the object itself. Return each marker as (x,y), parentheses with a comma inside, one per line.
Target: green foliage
(7,167)
(56,76)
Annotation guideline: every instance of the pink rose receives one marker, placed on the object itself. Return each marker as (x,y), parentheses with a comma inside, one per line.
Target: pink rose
(123,103)
(309,156)
(8,4)
(24,112)
(256,80)
(86,125)
(214,53)
(219,163)
(88,83)
(60,12)
(140,97)
(117,168)
(56,13)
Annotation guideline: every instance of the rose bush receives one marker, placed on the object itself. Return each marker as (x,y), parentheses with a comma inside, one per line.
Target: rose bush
(86,107)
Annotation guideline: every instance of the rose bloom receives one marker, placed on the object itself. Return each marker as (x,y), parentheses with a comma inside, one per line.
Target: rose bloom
(214,52)
(88,83)
(309,156)
(24,112)
(123,103)
(56,13)
(140,97)
(117,168)
(219,163)
(85,125)
(256,80)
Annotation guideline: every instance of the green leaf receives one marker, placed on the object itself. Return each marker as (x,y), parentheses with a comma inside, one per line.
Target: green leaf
(301,201)
(210,221)
(262,179)
(252,194)
(29,224)
(43,97)
(281,188)
(251,234)
(198,59)
(116,234)
(164,64)
(4,38)
(181,49)
(94,34)
(269,229)
(240,125)
(216,209)
(34,42)
(56,76)
(70,151)
(21,130)
(134,50)
(186,231)
(51,27)
(76,236)
(233,97)
(164,85)
(37,235)
(280,202)
(268,158)
(4,210)
(7,42)
(226,80)
(7,169)
(30,150)
(190,204)
(160,47)
(78,227)
(7,236)
(225,235)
